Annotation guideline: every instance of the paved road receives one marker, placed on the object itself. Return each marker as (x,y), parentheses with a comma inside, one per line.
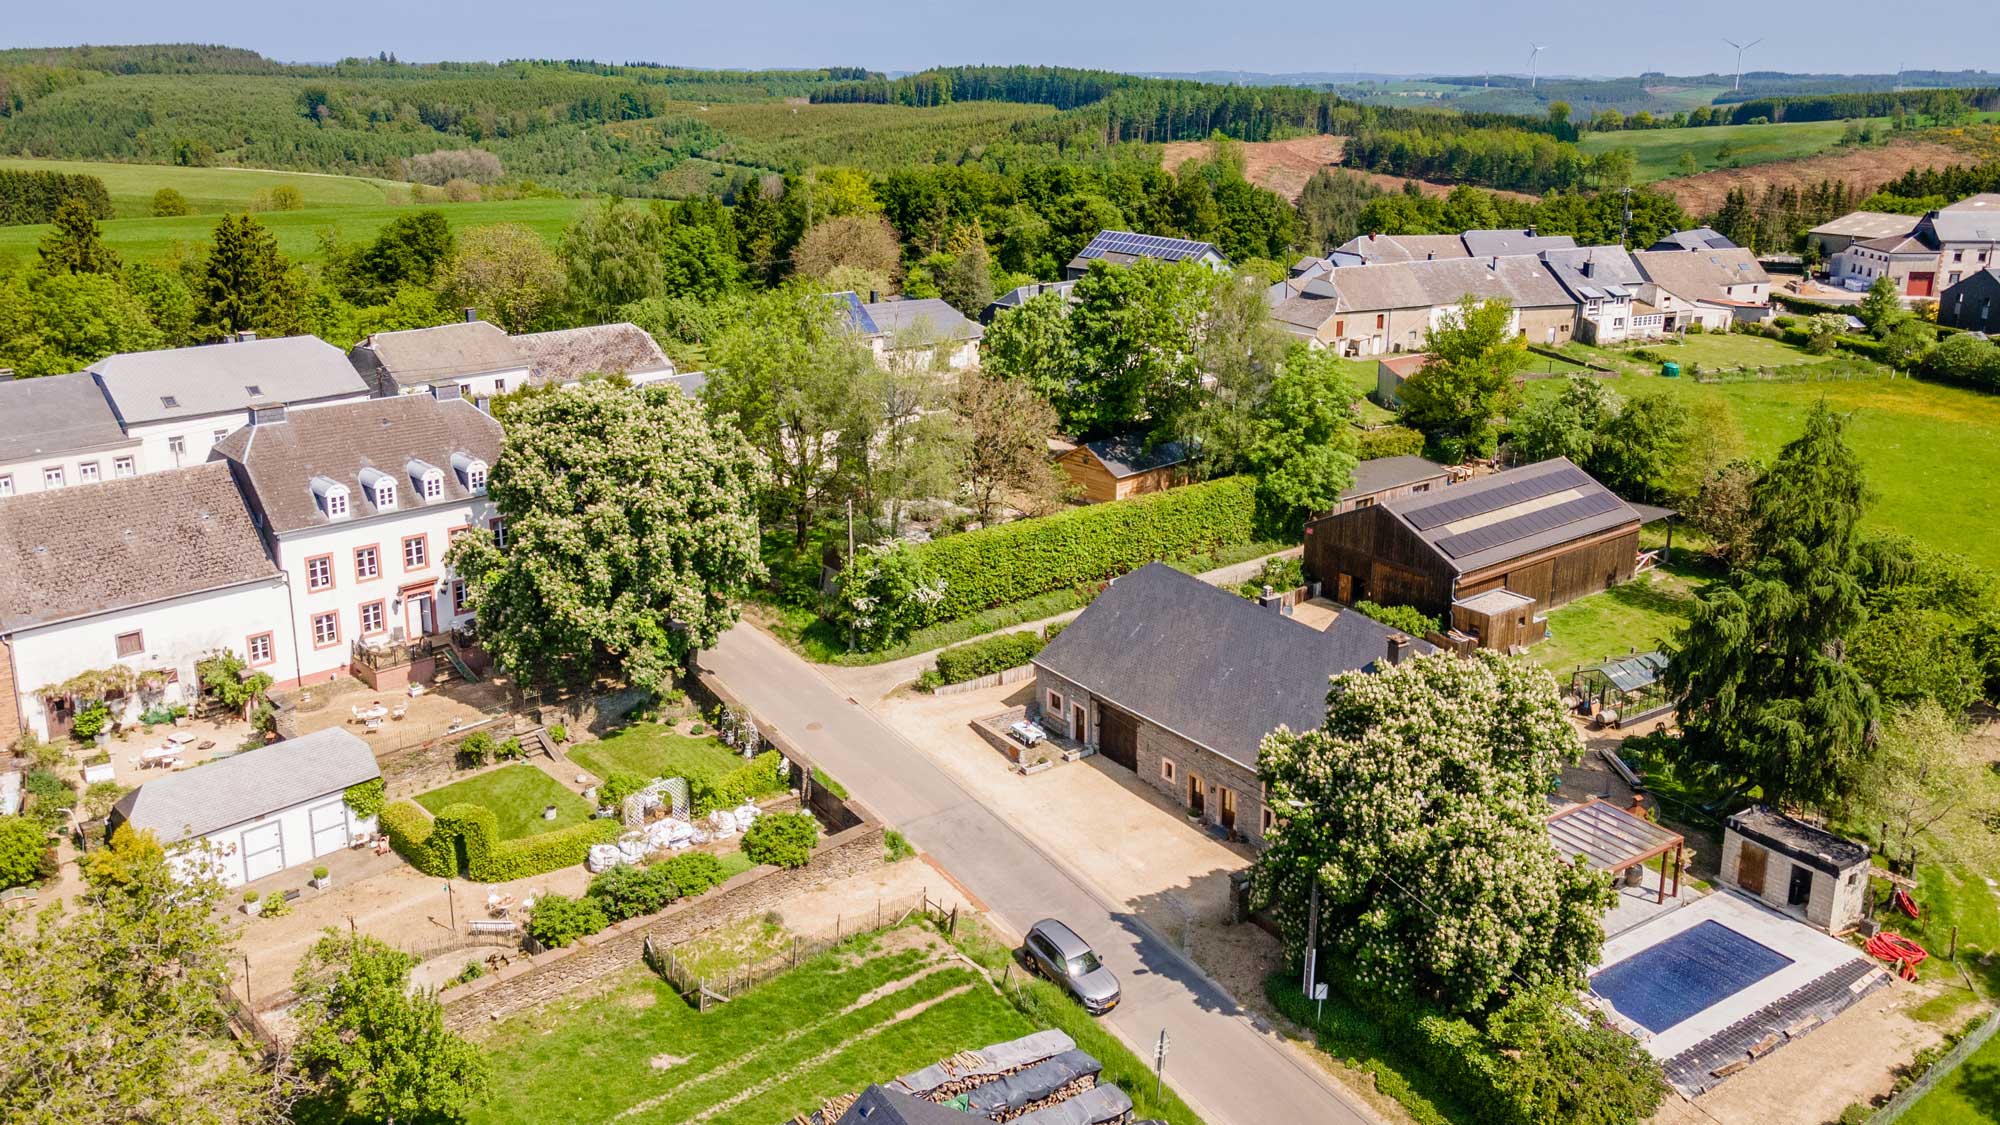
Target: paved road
(1228,1070)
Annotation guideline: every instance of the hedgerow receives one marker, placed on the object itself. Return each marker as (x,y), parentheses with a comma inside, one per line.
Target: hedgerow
(1408,618)
(985,657)
(755,778)
(433,845)
(1390,441)
(413,834)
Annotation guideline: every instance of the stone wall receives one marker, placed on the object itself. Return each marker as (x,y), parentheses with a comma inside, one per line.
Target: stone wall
(1835,903)
(1158,745)
(531,981)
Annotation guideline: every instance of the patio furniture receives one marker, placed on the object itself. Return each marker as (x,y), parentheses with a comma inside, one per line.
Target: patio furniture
(401,710)
(158,755)
(1027,733)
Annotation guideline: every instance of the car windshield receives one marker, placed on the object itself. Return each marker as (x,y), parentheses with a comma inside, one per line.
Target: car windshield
(1085,962)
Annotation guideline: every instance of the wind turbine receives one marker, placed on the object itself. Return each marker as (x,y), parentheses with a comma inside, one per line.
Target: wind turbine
(1740,48)
(1532,56)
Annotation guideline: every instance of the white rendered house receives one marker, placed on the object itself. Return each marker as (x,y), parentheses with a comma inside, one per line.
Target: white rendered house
(58,431)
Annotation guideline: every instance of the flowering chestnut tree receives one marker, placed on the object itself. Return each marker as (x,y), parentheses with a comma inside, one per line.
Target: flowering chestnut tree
(631,529)
(1420,809)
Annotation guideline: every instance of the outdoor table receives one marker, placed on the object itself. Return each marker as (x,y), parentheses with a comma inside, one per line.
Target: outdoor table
(376,713)
(159,755)
(179,740)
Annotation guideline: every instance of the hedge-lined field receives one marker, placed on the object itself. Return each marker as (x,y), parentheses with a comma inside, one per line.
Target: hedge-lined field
(214,190)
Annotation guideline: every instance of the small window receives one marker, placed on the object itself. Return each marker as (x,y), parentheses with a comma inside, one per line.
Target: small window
(169,402)
(131,644)
(385,495)
(325,629)
(1055,703)
(52,478)
(373,618)
(1266,822)
(458,597)
(177,445)
(336,504)
(433,488)
(1166,769)
(367,563)
(1365,502)
(498,525)
(253,390)
(260,649)
(220,434)
(475,478)
(122,467)
(416,552)
(87,472)
(319,572)
(1378,320)
(6,484)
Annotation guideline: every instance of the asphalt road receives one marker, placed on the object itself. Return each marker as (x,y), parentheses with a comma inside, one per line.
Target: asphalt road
(1221,1063)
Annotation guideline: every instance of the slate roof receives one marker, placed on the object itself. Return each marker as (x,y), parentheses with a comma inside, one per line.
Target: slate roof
(568,355)
(1507,515)
(1382,473)
(1700,238)
(1973,219)
(1214,668)
(943,321)
(1593,273)
(1867,224)
(1374,248)
(280,459)
(221,378)
(56,414)
(194,802)
(93,548)
(1701,274)
(1486,243)
(1806,842)
(417,357)
(1020,295)
(1900,244)
(1123,247)
(1523,280)
(1126,455)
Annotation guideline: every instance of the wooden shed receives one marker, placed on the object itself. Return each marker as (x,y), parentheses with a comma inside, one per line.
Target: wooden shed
(1118,468)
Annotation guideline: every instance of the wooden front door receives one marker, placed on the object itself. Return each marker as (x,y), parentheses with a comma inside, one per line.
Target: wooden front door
(1750,868)
(420,611)
(1228,817)
(1079,722)
(1198,796)
(1346,590)
(1118,736)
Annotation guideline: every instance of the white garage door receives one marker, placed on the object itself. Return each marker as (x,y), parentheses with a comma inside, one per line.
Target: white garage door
(329,828)
(263,851)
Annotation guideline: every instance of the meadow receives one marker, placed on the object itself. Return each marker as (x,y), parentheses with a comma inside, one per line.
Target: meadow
(1659,150)
(216,190)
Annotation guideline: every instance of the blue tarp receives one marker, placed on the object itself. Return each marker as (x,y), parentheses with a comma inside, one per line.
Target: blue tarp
(1664,984)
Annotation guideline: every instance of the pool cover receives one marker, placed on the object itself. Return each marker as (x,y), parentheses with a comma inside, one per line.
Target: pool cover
(1664,984)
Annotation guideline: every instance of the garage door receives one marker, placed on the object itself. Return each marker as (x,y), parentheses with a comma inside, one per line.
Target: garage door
(263,851)
(1118,736)
(329,828)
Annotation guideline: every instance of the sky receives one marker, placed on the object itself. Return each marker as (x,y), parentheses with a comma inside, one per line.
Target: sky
(1584,37)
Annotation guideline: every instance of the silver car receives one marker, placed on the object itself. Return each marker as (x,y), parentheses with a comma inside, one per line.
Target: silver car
(1054,951)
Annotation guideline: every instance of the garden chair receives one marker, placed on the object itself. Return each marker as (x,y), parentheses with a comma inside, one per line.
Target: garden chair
(401,710)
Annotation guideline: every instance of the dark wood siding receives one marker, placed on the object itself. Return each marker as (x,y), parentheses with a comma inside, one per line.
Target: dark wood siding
(1118,735)
(1386,561)
(1562,574)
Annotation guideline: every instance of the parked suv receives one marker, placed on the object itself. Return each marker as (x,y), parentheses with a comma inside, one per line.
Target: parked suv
(1054,951)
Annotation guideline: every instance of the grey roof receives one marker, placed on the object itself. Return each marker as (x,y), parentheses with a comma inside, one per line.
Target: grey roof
(1593,273)
(1913,244)
(56,414)
(1510,514)
(1607,837)
(994,1058)
(1700,275)
(1383,473)
(93,548)
(1126,455)
(217,794)
(1486,243)
(1374,248)
(1867,224)
(280,459)
(1021,294)
(221,378)
(569,354)
(1523,280)
(420,356)
(1700,238)
(1973,219)
(1099,1104)
(887,318)
(880,1105)
(690,382)
(1214,668)
(1124,246)
(1810,843)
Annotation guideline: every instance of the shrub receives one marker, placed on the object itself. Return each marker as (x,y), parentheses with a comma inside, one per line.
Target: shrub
(1055,629)
(476,750)
(896,846)
(1390,441)
(320,872)
(620,785)
(509,750)
(549,851)
(627,892)
(1408,618)
(99,797)
(167,203)
(276,905)
(90,722)
(692,873)
(50,798)
(755,778)
(558,920)
(24,851)
(365,798)
(782,839)
(559,732)
(985,657)
(1279,574)
(250,897)
(473,971)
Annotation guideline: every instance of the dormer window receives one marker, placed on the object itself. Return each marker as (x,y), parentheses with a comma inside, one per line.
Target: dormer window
(381,489)
(332,496)
(169,402)
(428,480)
(471,471)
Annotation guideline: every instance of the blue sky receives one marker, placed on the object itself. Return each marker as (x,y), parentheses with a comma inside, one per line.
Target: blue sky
(1341,35)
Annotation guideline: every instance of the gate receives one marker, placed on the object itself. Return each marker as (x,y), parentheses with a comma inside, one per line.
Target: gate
(1118,735)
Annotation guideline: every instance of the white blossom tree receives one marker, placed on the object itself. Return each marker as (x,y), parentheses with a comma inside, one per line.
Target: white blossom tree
(1420,810)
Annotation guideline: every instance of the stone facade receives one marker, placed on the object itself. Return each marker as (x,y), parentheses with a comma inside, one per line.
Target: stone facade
(1158,746)
(531,981)
(1835,903)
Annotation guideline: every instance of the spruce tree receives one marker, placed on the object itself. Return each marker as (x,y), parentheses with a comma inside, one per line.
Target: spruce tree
(243,280)
(73,246)
(1768,698)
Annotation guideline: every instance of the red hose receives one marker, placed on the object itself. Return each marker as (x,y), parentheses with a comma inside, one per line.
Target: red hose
(1894,947)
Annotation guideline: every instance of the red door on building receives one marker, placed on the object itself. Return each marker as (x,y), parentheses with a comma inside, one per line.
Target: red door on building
(1921,284)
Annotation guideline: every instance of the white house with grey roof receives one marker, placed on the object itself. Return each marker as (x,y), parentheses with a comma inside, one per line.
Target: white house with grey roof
(475,355)
(898,326)
(58,431)
(151,573)
(178,402)
(257,813)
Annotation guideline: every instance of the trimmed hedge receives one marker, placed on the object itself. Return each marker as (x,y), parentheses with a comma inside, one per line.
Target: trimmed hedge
(434,845)
(1390,441)
(985,657)
(411,832)
(549,851)
(1000,565)
(782,839)
(1408,618)
(755,778)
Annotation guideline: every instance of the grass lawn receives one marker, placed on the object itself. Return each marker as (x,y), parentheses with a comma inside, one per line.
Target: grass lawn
(654,750)
(214,190)
(1659,150)
(516,794)
(1967,1095)
(1360,377)
(1636,615)
(298,231)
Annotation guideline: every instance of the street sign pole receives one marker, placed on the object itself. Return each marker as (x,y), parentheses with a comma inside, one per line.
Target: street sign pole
(1160,1062)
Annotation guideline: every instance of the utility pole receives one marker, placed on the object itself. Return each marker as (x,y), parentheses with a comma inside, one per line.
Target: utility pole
(1625,222)
(850,561)
(1160,1062)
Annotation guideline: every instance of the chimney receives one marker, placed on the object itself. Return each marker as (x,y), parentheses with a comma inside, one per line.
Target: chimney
(1269,599)
(265,413)
(6,374)
(1430,255)
(1531,232)
(1589,268)
(471,315)
(1638,808)
(874,297)
(1399,647)
(1494,263)
(446,391)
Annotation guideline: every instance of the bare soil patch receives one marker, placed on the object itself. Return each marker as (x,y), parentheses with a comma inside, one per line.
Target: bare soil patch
(1285,166)
(1865,168)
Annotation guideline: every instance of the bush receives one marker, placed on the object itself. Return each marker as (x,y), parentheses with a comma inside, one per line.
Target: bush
(549,851)
(627,892)
(319,872)
(90,722)
(1055,629)
(276,905)
(24,852)
(365,798)
(782,839)
(985,657)
(559,733)
(167,203)
(509,750)
(1405,617)
(475,751)
(1390,441)
(49,798)
(558,920)
(99,797)
(896,846)
(620,785)
(473,971)
(1279,574)
(692,873)
(1966,359)
(755,778)
(413,834)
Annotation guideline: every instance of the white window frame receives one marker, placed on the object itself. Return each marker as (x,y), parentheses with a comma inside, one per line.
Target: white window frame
(52,477)
(331,618)
(1056,704)
(177,445)
(423,545)
(6,484)
(88,473)
(385,494)
(381,614)
(433,487)
(336,504)
(375,560)
(1167,771)
(123,467)
(270,644)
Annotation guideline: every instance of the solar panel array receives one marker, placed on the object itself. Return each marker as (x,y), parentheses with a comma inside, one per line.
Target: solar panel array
(1493,499)
(1144,246)
(1532,523)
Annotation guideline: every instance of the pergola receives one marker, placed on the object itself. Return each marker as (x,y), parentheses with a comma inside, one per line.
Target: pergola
(1611,839)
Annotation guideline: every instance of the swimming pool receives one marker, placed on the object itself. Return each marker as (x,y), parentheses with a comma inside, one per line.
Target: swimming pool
(1663,984)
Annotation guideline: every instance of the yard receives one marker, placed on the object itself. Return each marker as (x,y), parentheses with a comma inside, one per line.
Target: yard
(517,794)
(1968,1095)
(1637,615)
(655,750)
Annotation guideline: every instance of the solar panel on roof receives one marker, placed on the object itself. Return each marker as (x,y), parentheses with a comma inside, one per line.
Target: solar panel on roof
(1143,246)
(1492,499)
(1522,526)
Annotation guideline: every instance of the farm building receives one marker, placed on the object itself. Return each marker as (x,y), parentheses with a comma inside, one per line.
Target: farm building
(1391,373)
(261,811)
(1858,226)
(1385,478)
(1796,867)
(910,326)
(1123,247)
(1492,555)
(1118,468)
(1179,681)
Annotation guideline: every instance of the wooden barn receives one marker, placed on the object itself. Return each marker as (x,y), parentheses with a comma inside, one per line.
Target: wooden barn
(1118,468)
(1491,556)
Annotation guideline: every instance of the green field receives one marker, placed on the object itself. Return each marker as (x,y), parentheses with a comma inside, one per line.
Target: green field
(651,750)
(517,794)
(298,231)
(1969,1095)
(1659,150)
(1636,615)
(215,190)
